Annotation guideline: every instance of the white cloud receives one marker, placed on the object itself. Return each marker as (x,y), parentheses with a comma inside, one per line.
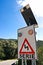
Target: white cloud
(36,6)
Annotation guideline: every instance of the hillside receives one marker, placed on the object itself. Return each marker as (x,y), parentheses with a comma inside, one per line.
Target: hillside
(39,43)
(15,41)
(9,48)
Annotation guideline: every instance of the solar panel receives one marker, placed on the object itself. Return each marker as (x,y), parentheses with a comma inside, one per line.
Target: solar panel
(28,15)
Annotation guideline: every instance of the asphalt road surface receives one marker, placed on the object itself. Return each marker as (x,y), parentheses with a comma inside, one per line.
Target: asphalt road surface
(8,62)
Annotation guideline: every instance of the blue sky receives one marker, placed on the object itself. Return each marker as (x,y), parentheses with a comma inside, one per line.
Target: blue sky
(11,19)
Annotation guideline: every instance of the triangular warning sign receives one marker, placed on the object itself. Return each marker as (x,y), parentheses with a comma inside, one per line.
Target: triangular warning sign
(26,48)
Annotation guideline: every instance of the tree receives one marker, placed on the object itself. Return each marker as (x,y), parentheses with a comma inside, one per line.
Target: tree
(2,55)
(40,55)
(10,49)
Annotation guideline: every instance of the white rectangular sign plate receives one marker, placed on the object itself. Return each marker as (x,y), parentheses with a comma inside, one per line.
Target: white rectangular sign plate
(26,42)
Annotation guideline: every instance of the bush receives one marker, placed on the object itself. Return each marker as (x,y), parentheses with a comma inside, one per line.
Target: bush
(8,49)
(40,55)
(2,55)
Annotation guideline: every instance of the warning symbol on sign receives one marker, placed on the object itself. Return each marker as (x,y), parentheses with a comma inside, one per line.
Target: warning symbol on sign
(26,48)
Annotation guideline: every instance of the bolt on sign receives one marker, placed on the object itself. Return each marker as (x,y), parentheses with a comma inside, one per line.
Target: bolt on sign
(26,42)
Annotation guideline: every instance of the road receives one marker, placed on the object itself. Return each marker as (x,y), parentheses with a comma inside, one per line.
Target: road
(8,62)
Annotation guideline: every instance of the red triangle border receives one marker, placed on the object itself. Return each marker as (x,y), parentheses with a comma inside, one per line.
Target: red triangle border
(32,51)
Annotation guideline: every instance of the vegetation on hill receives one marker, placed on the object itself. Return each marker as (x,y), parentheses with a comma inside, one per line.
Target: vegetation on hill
(40,55)
(9,49)
(39,43)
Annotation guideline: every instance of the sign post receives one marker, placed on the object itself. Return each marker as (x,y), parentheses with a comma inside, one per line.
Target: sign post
(27,36)
(27,44)
(22,62)
(33,62)
(25,60)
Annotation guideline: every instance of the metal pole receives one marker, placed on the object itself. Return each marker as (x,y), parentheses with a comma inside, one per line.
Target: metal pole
(25,60)
(22,61)
(33,62)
